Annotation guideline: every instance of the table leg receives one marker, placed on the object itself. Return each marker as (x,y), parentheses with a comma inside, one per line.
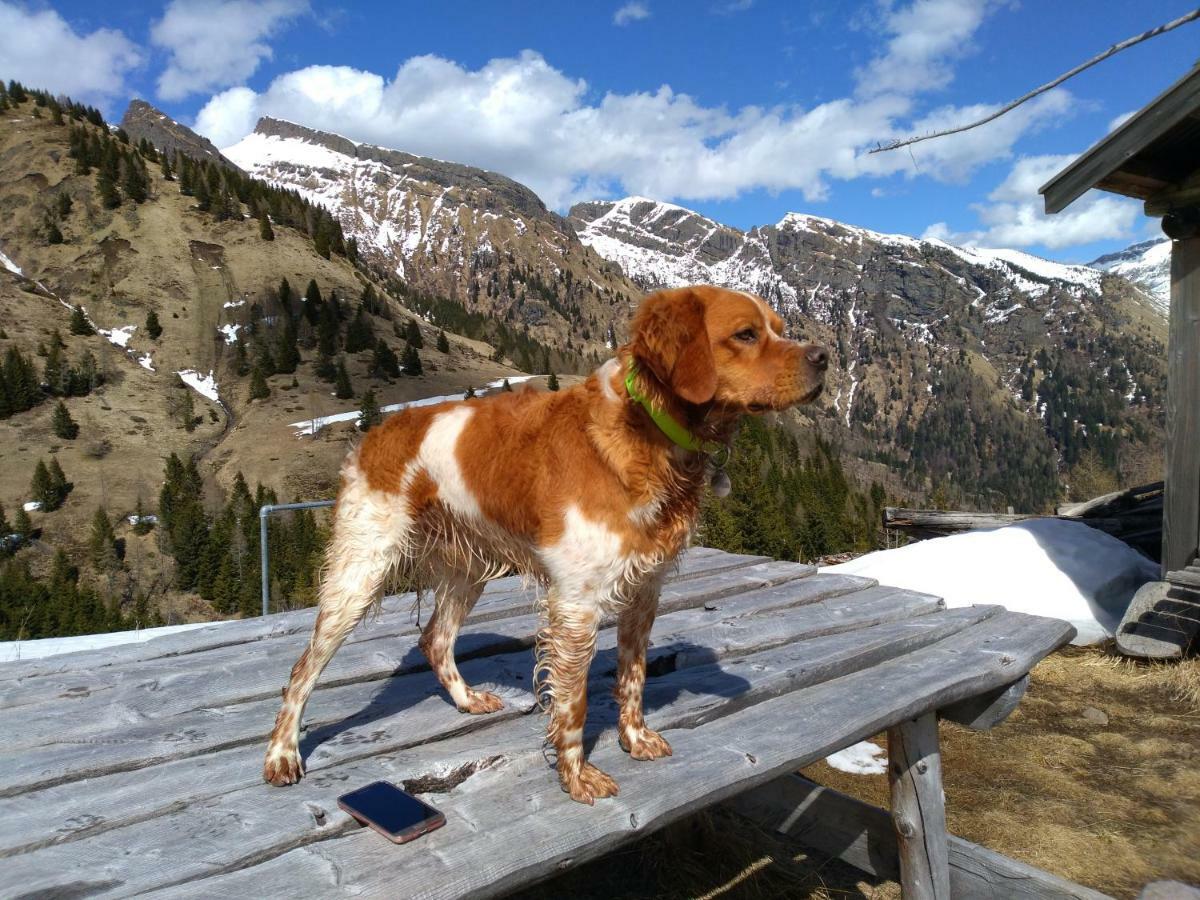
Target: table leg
(919,808)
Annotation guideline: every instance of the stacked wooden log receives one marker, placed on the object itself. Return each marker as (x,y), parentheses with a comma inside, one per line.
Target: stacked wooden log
(1133,516)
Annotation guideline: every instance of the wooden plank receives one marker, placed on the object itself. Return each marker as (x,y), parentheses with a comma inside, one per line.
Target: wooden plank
(1114,150)
(103,689)
(70,812)
(510,825)
(695,563)
(839,826)
(985,711)
(682,639)
(684,698)
(1181,503)
(919,808)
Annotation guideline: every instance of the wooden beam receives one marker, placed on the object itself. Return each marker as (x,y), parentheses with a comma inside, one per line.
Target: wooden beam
(919,808)
(1181,502)
(986,711)
(860,834)
(1184,193)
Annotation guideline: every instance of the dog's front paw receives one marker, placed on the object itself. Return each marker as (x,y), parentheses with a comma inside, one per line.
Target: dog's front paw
(644,743)
(481,702)
(282,767)
(588,784)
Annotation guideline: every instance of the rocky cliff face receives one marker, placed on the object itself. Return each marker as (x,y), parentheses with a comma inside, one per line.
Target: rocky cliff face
(473,236)
(141,120)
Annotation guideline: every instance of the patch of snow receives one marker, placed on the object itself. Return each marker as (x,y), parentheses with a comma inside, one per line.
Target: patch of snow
(233,304)
(145,362)
(10,265)
(864,758)
(1146,264)
(120,335)
(33,506)
(230,332)
(204,385)
(1045,567)
(11,651)
(148,519)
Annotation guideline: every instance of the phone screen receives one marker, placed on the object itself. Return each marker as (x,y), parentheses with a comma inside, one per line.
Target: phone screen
(390,808)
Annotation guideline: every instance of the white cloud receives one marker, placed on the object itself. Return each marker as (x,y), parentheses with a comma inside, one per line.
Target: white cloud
(524,118)
(631,12)
(214,43)
(41,50)
(1121,119)
(926,37)
(1014,217)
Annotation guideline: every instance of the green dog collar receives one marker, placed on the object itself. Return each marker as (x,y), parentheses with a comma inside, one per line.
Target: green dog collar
(666,423)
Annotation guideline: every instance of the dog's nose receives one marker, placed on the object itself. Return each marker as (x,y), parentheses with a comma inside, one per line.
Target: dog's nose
(817,356)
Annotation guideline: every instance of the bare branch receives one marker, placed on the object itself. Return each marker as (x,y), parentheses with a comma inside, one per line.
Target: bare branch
(1111,51)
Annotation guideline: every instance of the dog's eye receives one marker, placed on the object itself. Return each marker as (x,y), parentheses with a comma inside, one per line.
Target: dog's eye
(746,336)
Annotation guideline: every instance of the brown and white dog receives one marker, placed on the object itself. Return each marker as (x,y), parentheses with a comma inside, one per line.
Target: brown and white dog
(579,489)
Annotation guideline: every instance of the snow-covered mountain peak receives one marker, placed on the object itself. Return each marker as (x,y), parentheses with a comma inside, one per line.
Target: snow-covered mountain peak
(1147,264)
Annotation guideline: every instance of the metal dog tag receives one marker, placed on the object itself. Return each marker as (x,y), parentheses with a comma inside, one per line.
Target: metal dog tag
(720,483)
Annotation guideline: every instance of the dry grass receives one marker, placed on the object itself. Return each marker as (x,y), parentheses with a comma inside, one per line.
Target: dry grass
(1111,806)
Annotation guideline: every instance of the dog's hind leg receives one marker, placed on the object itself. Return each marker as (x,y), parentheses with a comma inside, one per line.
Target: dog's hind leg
(456,594)
(360,555)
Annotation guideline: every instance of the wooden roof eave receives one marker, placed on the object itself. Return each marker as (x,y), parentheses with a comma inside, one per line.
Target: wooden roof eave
(1102,165)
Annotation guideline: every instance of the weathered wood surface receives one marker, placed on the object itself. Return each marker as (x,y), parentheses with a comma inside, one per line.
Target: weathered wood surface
(1181,508)
(152,781)
(919,808)
(985,711)
(836,825)
(1161,622)
(696,563)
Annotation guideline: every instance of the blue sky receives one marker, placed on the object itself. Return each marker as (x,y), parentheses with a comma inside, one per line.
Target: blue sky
(741,109)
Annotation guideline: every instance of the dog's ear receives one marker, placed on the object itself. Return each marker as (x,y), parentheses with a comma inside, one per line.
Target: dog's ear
(670,339)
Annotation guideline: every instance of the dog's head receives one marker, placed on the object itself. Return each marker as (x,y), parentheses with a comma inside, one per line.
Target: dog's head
(709,345)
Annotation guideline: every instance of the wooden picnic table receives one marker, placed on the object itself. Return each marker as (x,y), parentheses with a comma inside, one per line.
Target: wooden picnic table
(137,769)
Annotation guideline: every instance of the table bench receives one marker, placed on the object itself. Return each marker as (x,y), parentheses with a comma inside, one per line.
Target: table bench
(136,769)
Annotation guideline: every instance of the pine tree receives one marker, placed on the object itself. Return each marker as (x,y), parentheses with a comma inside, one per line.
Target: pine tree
(412,334)
(370,416)
(168,173)
(79,322)
(103,543)
(264,225)
(64,426)
(359,336)
(342,386)
(506,386)
(63,203)
(58,481)
(552,382)
(54,234)
(287,354)
(410,361)
(443,342)
(153,326)
(106,180)
(259,389)
(201,192)
(41,487)
(22,524)
(134,182)
(384,363)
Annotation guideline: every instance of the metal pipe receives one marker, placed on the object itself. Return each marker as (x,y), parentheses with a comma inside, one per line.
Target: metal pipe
(264,551)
